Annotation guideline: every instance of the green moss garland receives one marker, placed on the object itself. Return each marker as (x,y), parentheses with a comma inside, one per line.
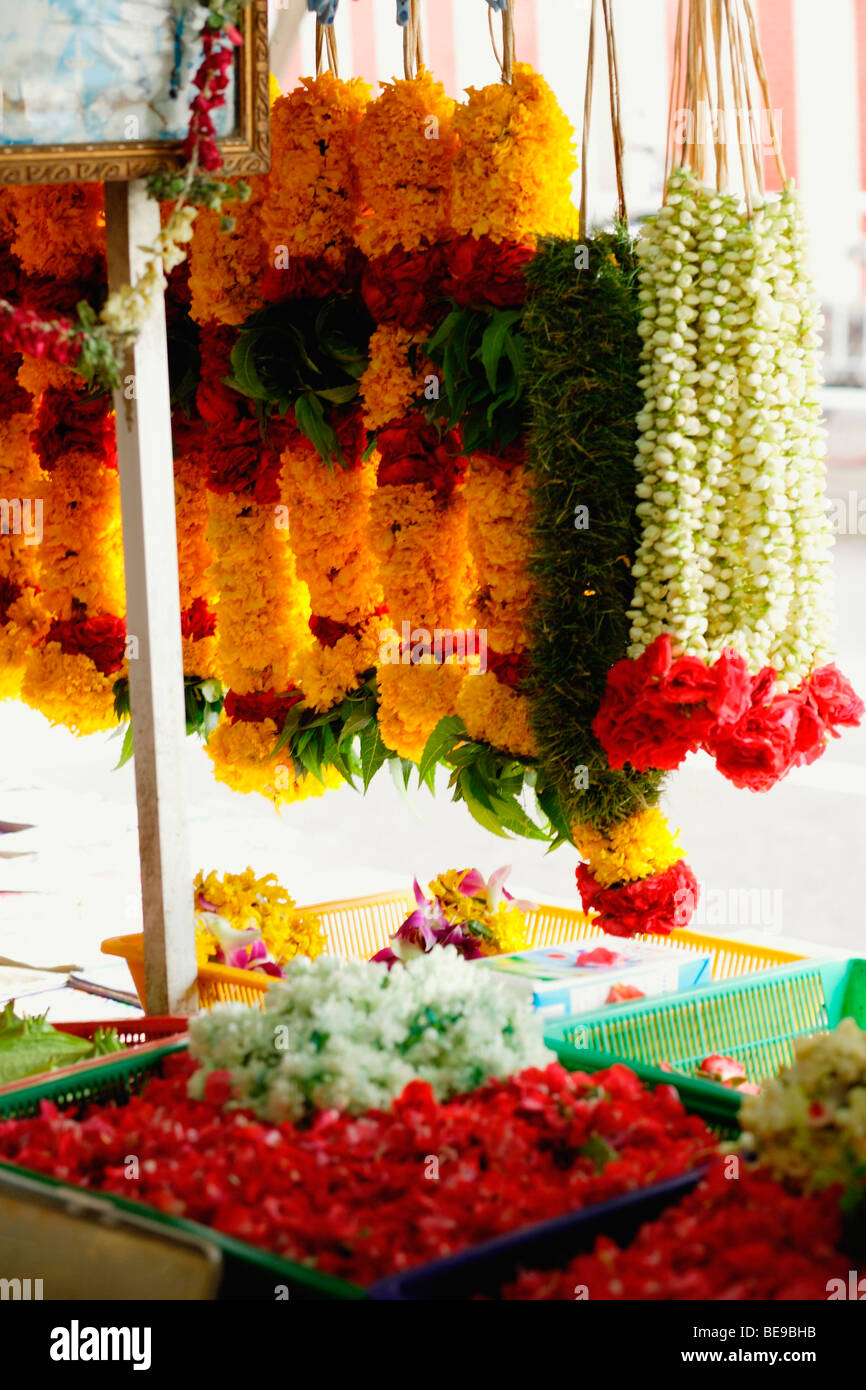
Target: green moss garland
(582,351)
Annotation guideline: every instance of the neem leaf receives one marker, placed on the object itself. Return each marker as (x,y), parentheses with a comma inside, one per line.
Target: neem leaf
(373,752)
(448,731)
(126,748)
(494,341)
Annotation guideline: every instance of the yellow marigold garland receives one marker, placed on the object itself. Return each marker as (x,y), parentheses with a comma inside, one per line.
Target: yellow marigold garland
(226,268)
(20,477)
(311,207)
(262,608)
(59,227)
(514,163)
(195,555)
(420,543)
(637,848)
(495,713)
(405,157)
(243,758)
(328,516)
(391,386)
(68,689)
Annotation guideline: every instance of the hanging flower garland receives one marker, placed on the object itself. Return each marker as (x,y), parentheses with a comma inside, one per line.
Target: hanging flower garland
(730,612)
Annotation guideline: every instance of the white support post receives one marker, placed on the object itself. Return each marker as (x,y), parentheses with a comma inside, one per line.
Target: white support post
(146,468)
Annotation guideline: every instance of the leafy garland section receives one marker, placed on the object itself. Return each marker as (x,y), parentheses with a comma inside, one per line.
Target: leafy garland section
(94,343)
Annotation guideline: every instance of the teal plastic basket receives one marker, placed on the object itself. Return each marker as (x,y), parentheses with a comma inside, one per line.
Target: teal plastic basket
(754,1018)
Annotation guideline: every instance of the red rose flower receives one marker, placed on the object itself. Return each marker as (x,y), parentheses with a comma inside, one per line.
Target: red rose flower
(66,421)
(835,698)
(404,287)
(411,451)
(769,739)
(308,277)
(482,272)
(509,668)
(260,705)
(197,621)
(102,638)
(658,904)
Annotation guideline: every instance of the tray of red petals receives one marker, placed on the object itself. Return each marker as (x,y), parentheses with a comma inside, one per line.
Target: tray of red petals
(360,1197)
(733,1239)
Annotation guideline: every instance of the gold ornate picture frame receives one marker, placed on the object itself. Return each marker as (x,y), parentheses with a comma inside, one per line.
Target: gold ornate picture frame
(245,149)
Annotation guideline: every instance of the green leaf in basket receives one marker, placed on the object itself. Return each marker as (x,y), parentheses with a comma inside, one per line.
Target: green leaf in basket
(599,1152)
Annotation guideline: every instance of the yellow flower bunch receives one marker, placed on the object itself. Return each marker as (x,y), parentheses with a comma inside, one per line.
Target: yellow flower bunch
(69,690)
(226,268)
(515,162)
(263,608)
(262,903)
(405,157)
(498,503)
(390,386)
(311,207)
(504,922)
(638,847)
(496,714)
(194,557)
(243,758)
(59,227)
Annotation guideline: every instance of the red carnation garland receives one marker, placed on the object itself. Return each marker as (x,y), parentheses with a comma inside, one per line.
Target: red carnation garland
(658,709)
(657,905)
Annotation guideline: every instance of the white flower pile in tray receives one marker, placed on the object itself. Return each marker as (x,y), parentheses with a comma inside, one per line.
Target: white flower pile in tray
(350,1035)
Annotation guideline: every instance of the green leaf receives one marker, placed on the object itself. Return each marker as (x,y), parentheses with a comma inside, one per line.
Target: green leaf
(126,748)
(245,376)
(494,340)
(354,724)
(310,418)
(448,731)
(373,752)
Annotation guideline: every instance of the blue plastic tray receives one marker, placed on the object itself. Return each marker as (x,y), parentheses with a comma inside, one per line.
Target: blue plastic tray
(483,1269)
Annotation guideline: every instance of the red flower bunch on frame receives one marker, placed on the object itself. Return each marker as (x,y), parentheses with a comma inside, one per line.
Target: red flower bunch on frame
(347,1193)
(742,1240)
(102,638)
(658,904)
(198,621)
(657,709)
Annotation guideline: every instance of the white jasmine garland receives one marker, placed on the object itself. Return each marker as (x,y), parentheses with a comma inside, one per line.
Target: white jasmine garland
(351,1035)
(735,538)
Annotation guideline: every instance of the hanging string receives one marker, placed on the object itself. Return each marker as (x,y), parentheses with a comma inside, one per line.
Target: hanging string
(587,113)
(676,99)
(758,59)
(615,108)
(326,39)
(413,42)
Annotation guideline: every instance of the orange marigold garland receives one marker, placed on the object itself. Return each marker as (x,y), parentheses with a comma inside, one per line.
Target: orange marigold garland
(405,155)
(227,268)
(311,207)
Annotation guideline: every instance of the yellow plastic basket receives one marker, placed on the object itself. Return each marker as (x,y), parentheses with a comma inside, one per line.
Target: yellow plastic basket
(358,928)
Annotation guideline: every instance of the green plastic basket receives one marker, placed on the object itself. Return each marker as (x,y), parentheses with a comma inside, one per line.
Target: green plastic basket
(117,1080)
(754,1018)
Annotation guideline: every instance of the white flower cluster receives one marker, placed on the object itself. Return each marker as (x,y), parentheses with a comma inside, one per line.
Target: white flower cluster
(351,1035)
(735,545)
(808,1125)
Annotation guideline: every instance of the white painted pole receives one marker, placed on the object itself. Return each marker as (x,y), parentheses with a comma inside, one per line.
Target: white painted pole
(153,618)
